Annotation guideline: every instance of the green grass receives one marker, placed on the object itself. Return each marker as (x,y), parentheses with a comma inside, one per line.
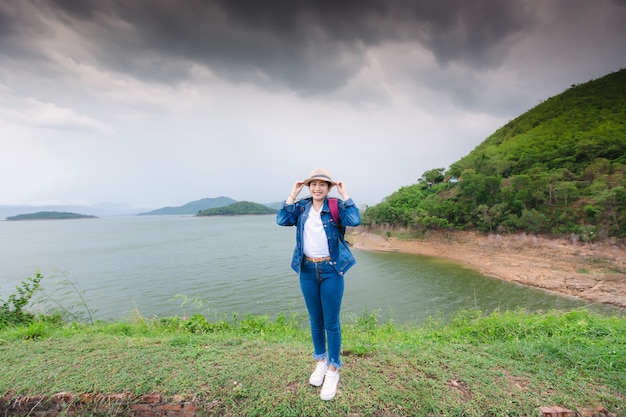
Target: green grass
(503,364)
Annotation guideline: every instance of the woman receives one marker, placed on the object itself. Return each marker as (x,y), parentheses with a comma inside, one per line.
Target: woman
(321,257)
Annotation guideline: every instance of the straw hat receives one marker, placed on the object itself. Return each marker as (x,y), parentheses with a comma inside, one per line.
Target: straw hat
(319,174)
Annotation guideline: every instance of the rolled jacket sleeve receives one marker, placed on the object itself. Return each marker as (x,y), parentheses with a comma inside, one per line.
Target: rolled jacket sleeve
(349,213)
(288,215)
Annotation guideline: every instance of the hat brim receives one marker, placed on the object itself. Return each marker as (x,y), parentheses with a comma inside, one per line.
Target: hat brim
(319,177)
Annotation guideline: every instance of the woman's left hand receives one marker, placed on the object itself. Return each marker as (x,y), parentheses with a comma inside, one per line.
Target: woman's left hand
(341,189)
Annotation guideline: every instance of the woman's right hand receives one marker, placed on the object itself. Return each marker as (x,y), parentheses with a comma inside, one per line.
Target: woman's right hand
(295,190)
(297,187)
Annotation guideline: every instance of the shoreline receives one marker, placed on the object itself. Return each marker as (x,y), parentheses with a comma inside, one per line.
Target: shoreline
(595,273)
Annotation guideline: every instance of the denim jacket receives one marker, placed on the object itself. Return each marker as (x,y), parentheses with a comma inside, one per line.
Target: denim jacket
(296,214)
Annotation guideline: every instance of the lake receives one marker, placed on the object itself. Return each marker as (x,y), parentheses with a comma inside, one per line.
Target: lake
(164,266)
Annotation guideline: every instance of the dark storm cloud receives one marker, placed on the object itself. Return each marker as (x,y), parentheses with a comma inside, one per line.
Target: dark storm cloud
(454,29)
(307,46)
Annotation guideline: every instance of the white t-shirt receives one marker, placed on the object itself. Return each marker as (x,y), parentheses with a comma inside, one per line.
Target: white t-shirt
(314,239)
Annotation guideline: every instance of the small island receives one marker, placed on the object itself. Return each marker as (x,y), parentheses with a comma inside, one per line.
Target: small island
(239,208)
(50,215)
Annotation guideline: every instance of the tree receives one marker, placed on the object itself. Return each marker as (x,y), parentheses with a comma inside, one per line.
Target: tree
(490,217)
(433,176)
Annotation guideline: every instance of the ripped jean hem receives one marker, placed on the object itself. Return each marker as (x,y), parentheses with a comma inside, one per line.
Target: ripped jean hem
(329,362)
(335,364)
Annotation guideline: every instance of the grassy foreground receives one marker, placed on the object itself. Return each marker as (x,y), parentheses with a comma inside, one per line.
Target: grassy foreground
(503,364)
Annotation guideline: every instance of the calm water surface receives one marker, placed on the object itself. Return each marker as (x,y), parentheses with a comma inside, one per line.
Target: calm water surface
(163,266)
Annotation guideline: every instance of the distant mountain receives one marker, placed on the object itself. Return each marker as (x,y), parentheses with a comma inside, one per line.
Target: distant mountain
(110,209)
(49,215)
(192,207)
(238,209)
(276,205)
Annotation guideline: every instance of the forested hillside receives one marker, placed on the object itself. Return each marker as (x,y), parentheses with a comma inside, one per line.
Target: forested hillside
(237,209)
(557,169)
(49,215)
(192,207)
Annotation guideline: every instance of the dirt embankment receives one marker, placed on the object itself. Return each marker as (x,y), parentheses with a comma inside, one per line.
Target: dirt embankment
(594,272)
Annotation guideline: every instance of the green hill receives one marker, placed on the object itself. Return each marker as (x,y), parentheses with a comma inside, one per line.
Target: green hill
(569,131)
(238,208)
(557,169)
(50,215)
(192,207)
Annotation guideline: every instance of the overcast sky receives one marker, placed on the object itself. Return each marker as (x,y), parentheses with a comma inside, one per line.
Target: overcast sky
(156,103)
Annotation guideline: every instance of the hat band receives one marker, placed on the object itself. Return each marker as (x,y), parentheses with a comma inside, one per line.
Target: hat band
(321,176)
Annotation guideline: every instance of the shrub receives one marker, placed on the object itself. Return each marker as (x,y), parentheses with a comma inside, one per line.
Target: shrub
(12,311)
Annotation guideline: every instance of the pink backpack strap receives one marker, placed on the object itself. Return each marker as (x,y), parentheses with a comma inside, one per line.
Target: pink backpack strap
(333,205)
(334,209)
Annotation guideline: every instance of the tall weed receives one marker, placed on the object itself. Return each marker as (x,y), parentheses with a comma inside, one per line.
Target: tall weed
(65,300)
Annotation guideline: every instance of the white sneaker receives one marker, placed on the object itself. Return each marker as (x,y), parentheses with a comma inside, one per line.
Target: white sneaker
(330,385)
(317,377)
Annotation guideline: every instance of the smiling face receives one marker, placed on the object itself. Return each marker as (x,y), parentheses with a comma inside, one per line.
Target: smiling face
(319,190)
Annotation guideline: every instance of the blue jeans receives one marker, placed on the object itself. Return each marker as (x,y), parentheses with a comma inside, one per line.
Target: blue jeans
(322,288)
